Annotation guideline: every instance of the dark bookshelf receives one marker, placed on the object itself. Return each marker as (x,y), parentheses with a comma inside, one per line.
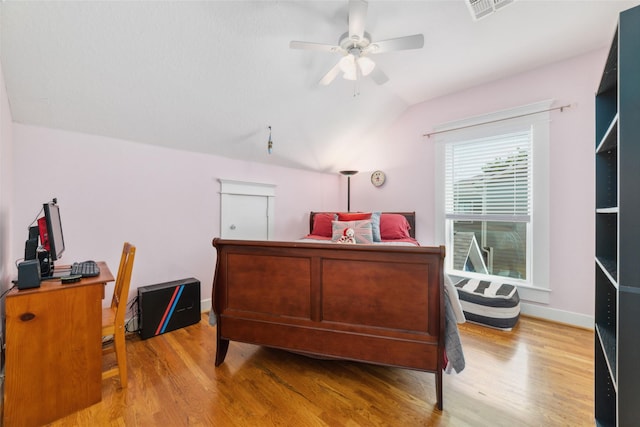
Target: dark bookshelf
(617,223)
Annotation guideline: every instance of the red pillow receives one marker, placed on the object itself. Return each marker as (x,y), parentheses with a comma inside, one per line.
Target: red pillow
(353,216)
(394,226)
(322,224)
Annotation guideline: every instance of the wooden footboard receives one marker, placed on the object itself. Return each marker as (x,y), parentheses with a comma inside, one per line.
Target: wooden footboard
(367,303)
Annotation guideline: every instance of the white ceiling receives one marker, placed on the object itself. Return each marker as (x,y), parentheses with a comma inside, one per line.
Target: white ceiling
(212,76)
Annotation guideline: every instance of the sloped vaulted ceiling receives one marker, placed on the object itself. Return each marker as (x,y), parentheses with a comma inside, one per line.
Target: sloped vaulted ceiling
(212,76)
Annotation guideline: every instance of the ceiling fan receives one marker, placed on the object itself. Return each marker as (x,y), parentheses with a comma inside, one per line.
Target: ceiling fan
(356,46)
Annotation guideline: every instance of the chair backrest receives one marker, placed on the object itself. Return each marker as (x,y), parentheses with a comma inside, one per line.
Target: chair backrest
(123,280)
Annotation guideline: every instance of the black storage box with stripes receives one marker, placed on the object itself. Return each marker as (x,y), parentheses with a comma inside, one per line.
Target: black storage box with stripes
(168,306)
(493,304)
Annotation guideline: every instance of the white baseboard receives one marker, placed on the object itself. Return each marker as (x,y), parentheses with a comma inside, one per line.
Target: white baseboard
(555,315)
(205,305)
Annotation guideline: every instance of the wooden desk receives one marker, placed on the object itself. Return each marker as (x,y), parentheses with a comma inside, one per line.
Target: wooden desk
(53,349)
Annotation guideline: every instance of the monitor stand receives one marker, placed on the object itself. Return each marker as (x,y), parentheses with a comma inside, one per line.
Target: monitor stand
(48,270)
(57,273)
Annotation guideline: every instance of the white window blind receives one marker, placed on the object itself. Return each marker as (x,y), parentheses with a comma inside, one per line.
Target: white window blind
(489,179)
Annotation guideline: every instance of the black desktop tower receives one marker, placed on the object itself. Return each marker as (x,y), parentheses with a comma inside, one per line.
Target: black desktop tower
(168,306)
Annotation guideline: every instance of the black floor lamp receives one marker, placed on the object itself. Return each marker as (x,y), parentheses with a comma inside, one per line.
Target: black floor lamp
(348,175)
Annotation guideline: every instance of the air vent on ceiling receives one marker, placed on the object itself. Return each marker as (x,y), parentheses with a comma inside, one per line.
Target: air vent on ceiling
(481,8)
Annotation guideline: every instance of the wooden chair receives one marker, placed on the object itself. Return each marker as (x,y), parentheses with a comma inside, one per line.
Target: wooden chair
(113,316)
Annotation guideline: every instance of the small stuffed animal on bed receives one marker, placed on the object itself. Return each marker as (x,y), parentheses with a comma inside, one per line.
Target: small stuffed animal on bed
(348,236)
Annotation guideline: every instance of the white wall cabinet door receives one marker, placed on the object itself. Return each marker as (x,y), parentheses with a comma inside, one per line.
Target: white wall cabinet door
(246,210)
(245,217)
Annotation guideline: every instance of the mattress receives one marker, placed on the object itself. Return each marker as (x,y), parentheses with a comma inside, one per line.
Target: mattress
(493,304)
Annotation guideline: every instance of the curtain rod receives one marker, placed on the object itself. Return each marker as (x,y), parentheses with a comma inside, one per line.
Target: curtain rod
(561,108)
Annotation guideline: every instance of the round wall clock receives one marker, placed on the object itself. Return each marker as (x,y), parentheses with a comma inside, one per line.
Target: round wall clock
(378,178)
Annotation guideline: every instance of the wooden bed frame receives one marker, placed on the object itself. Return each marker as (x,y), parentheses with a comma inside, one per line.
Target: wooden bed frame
(367,303)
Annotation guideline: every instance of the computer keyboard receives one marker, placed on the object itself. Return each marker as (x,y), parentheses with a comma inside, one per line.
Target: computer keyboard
(85,269)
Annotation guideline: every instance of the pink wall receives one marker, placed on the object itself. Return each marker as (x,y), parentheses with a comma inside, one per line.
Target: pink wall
(6,175)
(408,159)
(165,201)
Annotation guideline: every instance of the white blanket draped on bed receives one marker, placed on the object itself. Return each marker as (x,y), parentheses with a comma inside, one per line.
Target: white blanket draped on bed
(454,356)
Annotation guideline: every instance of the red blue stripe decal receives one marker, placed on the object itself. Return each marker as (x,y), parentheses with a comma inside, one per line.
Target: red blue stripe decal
(169,311)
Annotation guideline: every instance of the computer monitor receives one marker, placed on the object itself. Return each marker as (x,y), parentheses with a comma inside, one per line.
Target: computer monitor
(54,236)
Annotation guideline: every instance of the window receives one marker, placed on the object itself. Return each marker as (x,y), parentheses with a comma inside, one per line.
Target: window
(488,205)
(492,192)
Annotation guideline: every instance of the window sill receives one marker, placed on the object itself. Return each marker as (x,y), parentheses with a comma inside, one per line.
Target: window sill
(534,293)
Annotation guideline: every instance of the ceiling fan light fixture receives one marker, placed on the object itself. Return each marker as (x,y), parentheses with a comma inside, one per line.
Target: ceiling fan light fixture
(348,64)
(348,67)
(366,65)
(350,75)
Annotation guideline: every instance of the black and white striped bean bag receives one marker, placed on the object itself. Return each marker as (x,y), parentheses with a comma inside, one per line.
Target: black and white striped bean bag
(493,304)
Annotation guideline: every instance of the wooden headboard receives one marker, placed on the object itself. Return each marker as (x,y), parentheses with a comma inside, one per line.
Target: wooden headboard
(411,218)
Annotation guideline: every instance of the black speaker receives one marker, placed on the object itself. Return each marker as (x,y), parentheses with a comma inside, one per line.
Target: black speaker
(29,274)
(31,245)
(30,249)
(168,306)
(34,232)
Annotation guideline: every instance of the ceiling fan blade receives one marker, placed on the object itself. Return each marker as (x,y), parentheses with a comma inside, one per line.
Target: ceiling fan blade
(330,76)
(357,18)
(314,46)
(378,76)
(400,43)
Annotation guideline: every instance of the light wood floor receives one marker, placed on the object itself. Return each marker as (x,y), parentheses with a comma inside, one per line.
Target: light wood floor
(540,374)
